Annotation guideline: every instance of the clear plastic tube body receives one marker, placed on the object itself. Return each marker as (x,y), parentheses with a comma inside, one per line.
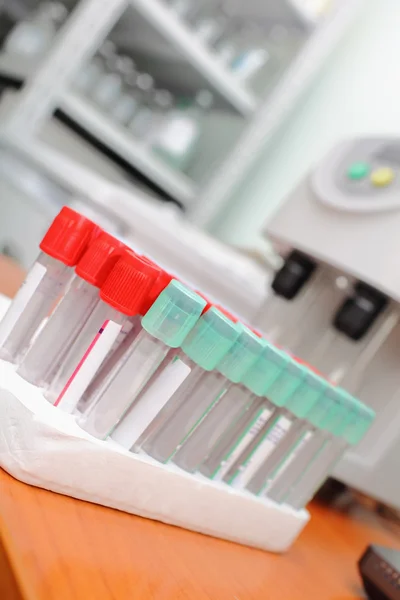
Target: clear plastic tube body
(227,406)
(283,481)
(59,333)
(261,446)
(191,408)
(156,392)
(111,364)
(279,457)
(239,435)
(183,412)
(44,285)
(85,356)
(309,482)
(134,370)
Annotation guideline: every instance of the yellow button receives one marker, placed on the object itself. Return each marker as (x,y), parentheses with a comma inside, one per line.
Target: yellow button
(382,177)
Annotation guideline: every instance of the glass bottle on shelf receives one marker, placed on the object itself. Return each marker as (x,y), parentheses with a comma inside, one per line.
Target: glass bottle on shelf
(109,87)
(32,37)
(226,48)
(148,119)
(254,55)
(182,8)
(93,70)
(211,23)
(181,129)
(135,88)
(162,104)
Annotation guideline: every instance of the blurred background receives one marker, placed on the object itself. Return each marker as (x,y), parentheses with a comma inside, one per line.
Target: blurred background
(183,126)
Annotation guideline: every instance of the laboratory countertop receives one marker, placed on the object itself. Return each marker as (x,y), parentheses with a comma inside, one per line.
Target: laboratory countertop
(53,547)
(58,548)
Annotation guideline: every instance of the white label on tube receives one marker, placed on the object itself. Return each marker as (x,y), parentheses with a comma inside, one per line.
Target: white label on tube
(88,366)
(21,300)
(269,442)
(286,463)
(153,400)
(244,442)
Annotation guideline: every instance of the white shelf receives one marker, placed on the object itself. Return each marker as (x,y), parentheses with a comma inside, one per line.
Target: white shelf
(173,29)
(114,137)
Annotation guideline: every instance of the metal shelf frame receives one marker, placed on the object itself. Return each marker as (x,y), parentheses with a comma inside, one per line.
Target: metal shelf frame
(48,88)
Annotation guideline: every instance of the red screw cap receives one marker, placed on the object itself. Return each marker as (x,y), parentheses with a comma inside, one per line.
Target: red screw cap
(129,283)
(99,259)
(68,236)
(208,303)
(159,286)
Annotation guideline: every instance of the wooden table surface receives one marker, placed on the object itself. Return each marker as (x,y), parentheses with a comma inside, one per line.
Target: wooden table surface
(57,548)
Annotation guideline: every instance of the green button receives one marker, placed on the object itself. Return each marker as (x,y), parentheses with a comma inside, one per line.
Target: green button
(358,171)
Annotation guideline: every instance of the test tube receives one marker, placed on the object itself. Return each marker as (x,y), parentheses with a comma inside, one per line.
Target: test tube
(257,411)
(302,404)
(164,327)
(121,297)
(352,432)
(222,411)
(206,345)
(62,246)
(52,344)
(329,418)
(273,432)
(110,366)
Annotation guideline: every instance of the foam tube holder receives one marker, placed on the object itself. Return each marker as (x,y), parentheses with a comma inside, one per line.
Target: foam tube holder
(42,446)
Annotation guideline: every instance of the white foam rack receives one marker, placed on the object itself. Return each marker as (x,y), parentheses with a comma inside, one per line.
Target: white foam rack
(42,446)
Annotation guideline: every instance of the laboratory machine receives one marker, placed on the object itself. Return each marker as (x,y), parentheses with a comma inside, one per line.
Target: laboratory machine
(335,300)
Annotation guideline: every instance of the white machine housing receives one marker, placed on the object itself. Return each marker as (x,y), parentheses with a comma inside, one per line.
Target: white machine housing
(352,227)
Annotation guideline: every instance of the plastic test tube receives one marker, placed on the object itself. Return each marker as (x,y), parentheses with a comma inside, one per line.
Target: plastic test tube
(221,411)
(206,345)
(62,247)
(352,432)
(329,416)
(164,326)
(52,344)
(112,363)
(257,410)
(273,431)
(203,347)
(122,296)
(303,404)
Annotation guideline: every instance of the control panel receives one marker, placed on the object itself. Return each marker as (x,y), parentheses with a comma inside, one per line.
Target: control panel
(360,176)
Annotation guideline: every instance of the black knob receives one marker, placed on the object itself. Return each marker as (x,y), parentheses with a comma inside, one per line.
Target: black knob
(296,271)
(358,313)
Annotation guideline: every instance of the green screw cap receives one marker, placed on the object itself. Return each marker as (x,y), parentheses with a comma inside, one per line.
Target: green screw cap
(336,418)
(307,395)
(360,421)
(358,171)
(173,314)
(242,355)
(265,370)
(210,339)
(322,408)
(280,391)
